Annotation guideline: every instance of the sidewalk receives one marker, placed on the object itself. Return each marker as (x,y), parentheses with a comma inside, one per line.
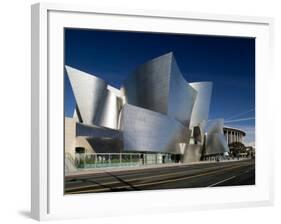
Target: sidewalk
(142,167)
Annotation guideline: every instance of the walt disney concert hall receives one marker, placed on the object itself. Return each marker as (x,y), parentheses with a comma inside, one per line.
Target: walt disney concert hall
(156,116)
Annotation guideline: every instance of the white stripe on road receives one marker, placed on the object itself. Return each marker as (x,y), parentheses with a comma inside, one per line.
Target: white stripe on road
(221,181)
(216,169)
(157,182)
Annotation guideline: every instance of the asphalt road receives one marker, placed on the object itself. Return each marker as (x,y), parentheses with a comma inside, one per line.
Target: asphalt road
(180,176)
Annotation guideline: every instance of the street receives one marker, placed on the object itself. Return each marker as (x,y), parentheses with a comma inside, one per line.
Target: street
(179,176)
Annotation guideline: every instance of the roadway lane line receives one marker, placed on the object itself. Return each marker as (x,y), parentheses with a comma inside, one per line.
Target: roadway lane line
(221,181)
(96,190)
(184,178)
(143,178)
(157,182)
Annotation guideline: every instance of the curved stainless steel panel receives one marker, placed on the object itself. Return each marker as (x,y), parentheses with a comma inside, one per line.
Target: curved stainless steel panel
(96,131)
(97,102)
(181,96)
(216,144)
(215,126)
(108,111)
(148,86)
(201,107)
(88,92)
(199,118)
(215,140)
(158,85)
(149,131)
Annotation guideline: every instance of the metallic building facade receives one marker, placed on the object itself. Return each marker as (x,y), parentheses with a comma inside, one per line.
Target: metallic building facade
(97,103)
(200,112)
(155,111)
(148,131)
(215,140)
(199,119)
(159,86)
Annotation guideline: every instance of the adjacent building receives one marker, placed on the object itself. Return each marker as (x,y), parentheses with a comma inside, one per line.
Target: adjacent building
(233,134)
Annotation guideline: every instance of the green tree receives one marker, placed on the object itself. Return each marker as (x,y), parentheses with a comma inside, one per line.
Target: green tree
(236,148)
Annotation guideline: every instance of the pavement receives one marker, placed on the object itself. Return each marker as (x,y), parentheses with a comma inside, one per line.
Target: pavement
(85,171)
(163,177)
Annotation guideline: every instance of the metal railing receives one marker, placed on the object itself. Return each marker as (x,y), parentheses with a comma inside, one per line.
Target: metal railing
(103,160)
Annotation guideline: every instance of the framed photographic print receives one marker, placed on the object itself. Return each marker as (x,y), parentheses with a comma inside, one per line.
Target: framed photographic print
(148,111)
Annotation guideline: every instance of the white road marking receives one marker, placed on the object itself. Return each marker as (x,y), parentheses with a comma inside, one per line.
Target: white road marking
(221,181)
(150,177)
(159,182)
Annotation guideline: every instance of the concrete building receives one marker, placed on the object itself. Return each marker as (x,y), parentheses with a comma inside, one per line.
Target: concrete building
(155,117)
(233,134)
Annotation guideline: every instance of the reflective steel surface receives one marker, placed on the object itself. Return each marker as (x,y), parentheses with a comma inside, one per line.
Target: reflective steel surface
(88,91)
(181,96)
(201,107)
(215,140)
(158,85)
(97,103)
(156,110)
(148,85)
(96,131)
(108,111)
(148,131)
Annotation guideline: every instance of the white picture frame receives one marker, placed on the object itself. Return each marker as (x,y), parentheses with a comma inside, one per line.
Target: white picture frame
(48,200)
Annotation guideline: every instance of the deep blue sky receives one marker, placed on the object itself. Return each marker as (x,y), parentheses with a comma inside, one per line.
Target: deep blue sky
(229,62)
